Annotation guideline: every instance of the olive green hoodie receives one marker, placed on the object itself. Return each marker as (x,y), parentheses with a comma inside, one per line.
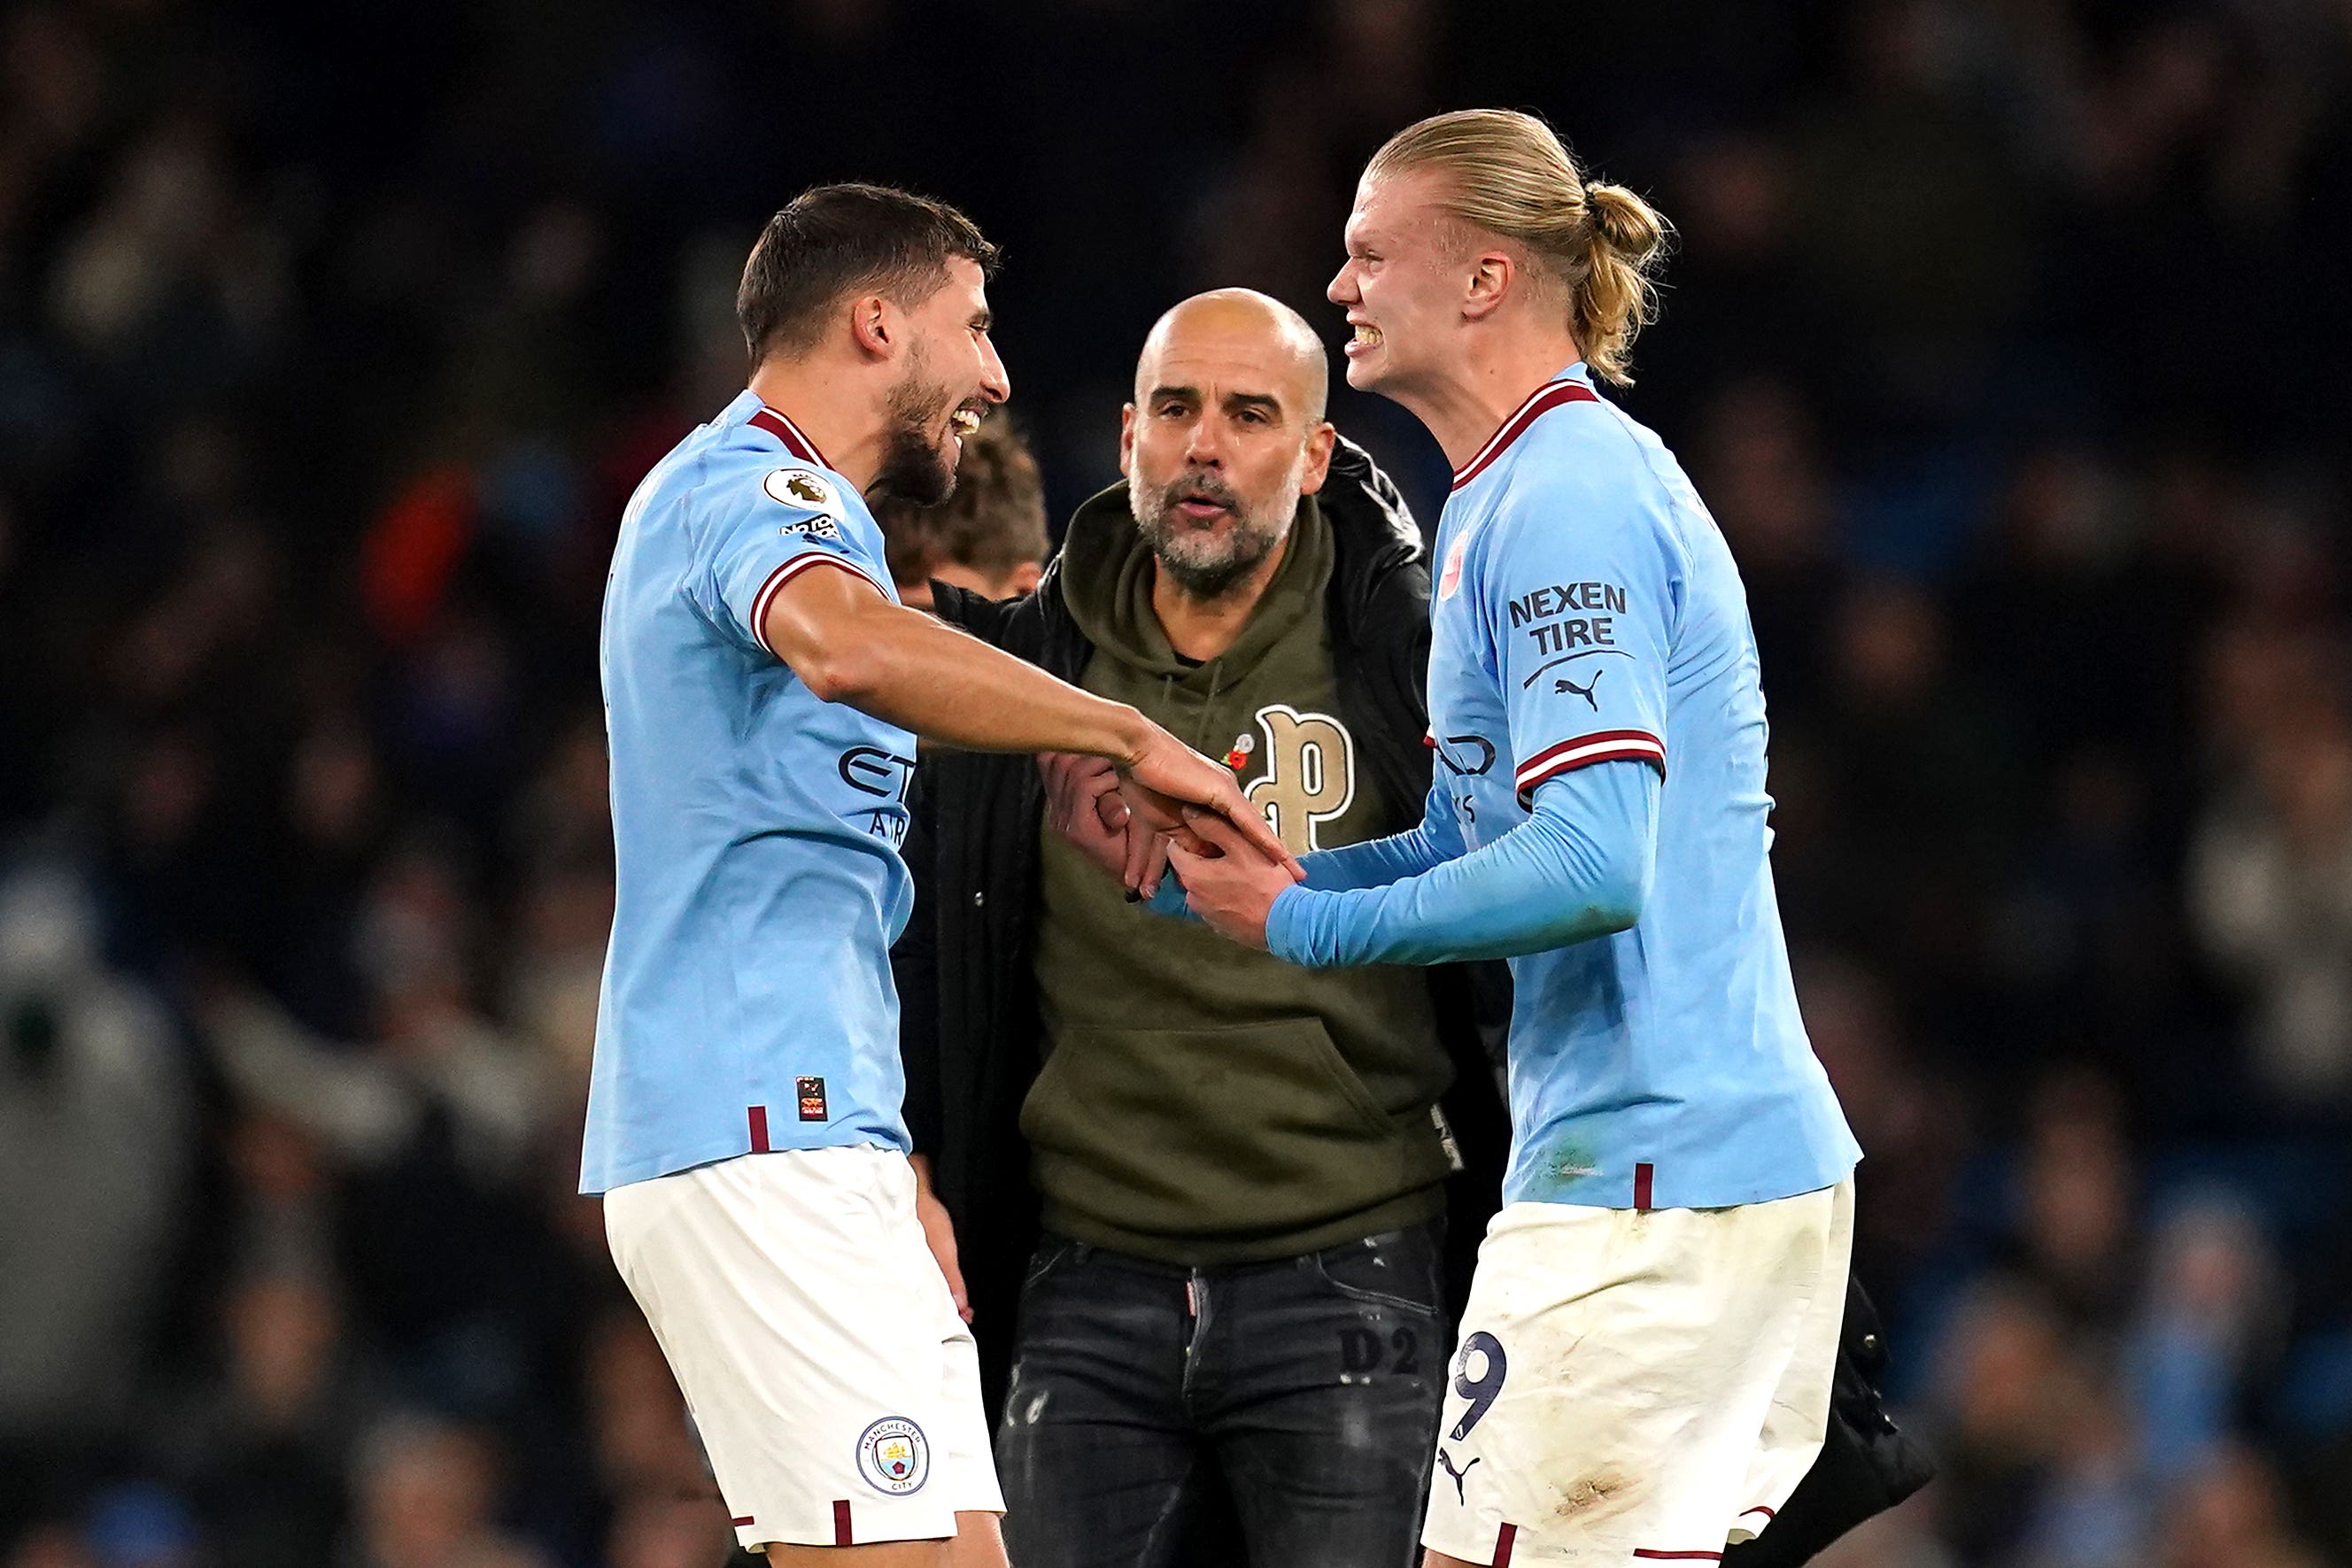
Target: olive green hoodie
(1202,1102)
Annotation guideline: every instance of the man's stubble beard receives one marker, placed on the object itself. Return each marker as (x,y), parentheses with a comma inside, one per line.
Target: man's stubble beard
(1204,566)
(912,468)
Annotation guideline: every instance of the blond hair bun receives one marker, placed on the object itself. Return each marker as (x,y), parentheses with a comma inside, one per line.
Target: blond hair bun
(1509,173)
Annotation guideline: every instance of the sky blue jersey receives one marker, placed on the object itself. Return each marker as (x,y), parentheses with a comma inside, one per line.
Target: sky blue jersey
(1587,611)
(747,1003)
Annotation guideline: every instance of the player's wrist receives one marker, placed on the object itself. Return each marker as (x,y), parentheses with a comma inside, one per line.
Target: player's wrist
(1284,919)
(1131,735)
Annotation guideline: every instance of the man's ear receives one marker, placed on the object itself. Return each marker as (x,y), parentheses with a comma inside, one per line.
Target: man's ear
(1126,441)
(1320,442)
(1491,273)
(873,325)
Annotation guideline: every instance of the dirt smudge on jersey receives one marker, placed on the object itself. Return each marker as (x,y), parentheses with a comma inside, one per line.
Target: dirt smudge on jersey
(1594,1491)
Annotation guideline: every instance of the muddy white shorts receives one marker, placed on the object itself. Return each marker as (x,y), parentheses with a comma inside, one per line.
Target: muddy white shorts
(1638,1385)
(836,1389)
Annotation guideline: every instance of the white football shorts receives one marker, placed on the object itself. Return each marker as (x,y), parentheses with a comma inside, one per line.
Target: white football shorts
(1639,1384)
(836,1391)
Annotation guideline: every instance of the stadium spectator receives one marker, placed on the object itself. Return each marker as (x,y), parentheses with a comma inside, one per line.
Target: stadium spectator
(260,1448)
(95,1161)
(2206,1321)
(2231,1513)
(2270,881)
(667,1535)
(428,1497)
(2006,1387)
(1912,1119)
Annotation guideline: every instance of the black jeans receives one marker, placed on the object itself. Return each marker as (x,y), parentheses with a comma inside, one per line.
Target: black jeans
(1312,1385)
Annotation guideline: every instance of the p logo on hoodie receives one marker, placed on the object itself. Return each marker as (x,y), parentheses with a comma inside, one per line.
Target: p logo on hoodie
(1310,774)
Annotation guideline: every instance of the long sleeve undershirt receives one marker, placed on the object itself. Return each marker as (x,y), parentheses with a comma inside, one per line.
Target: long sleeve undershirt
(1577,868)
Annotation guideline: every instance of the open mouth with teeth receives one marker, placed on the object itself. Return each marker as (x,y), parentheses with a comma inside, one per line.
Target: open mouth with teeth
(964,421)
(1366,337)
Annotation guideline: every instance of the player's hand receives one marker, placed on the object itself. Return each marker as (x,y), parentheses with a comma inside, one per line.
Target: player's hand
(1084,805)
(1164,778)
(1234,887)
(938,1233)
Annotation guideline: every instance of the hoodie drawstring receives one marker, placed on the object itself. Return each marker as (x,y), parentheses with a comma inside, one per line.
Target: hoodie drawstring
(1217,685)
(1208,706)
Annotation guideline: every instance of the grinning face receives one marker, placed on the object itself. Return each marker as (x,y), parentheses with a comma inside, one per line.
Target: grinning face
(1226,433)
(951,377)
(1402,285)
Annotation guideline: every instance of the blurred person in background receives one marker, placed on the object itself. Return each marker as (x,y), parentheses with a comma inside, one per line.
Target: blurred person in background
(987,537)
(432,1066)
(427,1495)
(1764,475)
(2231,1513)
(1239,1167)
(2004,1383)
(2271,889)
(95,1167)
(1908,1114)
(2209,1320)
(430,1122)
(2077,1225)
(261,1450)
(656,1535)
(1925,779)
(562,831)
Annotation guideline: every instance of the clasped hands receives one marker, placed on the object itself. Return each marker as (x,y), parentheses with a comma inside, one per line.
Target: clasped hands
(1232,867)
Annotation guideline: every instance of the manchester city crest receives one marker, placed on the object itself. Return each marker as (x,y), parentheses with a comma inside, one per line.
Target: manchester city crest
(893,1456)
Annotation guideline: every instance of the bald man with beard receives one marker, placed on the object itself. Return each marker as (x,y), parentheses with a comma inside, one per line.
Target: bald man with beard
(1233,1220)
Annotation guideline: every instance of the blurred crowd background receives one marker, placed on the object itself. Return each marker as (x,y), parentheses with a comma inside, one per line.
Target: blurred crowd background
(2008,340)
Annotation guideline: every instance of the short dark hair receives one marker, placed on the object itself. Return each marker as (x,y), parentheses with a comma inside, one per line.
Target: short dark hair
(837,239)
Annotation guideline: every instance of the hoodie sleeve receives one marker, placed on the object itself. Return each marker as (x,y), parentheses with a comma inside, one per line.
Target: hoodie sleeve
(1012,624)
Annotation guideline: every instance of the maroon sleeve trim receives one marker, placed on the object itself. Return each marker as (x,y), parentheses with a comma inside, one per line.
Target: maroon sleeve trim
(783,574)
(1582,751)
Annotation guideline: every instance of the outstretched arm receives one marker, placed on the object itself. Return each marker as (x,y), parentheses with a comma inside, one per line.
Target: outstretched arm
(850,644)
(1577,868)
(1376,863)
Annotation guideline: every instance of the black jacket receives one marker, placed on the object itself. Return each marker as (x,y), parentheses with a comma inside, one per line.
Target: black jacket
(967,990)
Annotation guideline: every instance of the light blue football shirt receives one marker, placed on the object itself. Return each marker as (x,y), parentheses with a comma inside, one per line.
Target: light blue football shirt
(1587,611)
(747,1003)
